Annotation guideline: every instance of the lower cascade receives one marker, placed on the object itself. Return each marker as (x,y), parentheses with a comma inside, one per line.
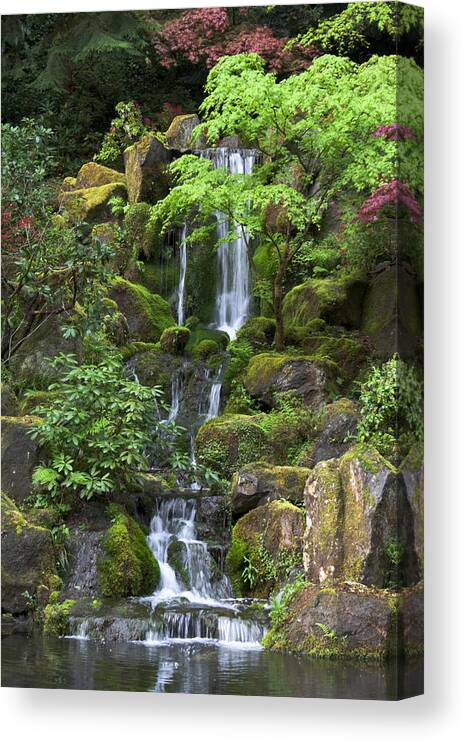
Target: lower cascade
(194,600)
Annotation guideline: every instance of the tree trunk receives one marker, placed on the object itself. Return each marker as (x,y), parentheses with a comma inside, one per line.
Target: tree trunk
(278,291)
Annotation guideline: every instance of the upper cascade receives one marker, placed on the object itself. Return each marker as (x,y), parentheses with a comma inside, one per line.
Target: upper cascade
(233,293)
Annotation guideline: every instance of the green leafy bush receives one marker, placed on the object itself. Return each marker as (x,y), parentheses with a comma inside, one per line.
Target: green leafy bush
(125,129)
(391,415)
(97,431)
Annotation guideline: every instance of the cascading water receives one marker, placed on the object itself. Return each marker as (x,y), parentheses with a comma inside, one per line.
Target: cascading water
(234,291)
(182,277)
(193,601)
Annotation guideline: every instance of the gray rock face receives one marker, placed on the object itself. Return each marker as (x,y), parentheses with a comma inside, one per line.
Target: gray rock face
(338,427)
(10,406)
(28,561)
(30,361)
(84,549)
(268,376)
(360,525)
(20,454)
(353,622)
(257,484)
(179,134)
(145,165)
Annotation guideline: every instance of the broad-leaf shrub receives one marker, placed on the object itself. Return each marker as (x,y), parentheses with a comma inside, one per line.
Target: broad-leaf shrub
(98,431)
(391,415)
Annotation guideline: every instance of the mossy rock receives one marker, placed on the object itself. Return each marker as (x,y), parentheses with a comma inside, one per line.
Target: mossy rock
(127,566)
(91,205)
(177,559)
(226,443)
(204,349)
(146,164)
(258,483)
(93,175)
(56,617)
(337,301)
(258,332)
(341,622)
(199,334)
(348,353)
(269,540)
(335,431)
(174,339)
(310,378)
(147,314)
(28,560)
(392,313)
(179,135)
(68,184)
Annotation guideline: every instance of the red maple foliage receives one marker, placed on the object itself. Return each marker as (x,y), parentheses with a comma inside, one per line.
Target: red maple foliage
(204,35)
(394,132)
(394,193)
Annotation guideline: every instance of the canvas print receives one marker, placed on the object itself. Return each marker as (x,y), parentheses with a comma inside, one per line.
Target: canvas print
(212,390)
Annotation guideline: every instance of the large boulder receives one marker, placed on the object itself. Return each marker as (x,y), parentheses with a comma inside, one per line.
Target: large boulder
(360,525)
(323,549)
(30,361)
(412,472)
(91,205)
(147,314)
(338,301)
(20,455)
(347,352)
(126,566)
(391,311)
(28,561)
(145,164)
(92,175)
(346,621)
(259,483)
(226,443)
(174,339)
(267,541)
(269,375)
(179,135)
(335,433)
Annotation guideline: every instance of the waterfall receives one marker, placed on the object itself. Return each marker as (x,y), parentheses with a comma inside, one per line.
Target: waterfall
(234,290)
(193,600)
(182,277)
(174,522)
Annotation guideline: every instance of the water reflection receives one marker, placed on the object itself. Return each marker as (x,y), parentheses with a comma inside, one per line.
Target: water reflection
(38,662)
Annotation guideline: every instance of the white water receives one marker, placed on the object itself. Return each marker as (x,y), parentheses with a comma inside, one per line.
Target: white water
(200,605)
(182,278)
(233,293)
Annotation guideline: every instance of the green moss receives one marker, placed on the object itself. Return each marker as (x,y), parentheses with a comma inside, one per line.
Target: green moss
(235,562)
(56,617)
(130,350)
(147,314)
(93,175)
(204,349)
(335,300)
(174,339)
(128,567)
(176,559)
(91,204)
(258,332)
(369,457)
(226,443)
(201,333)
